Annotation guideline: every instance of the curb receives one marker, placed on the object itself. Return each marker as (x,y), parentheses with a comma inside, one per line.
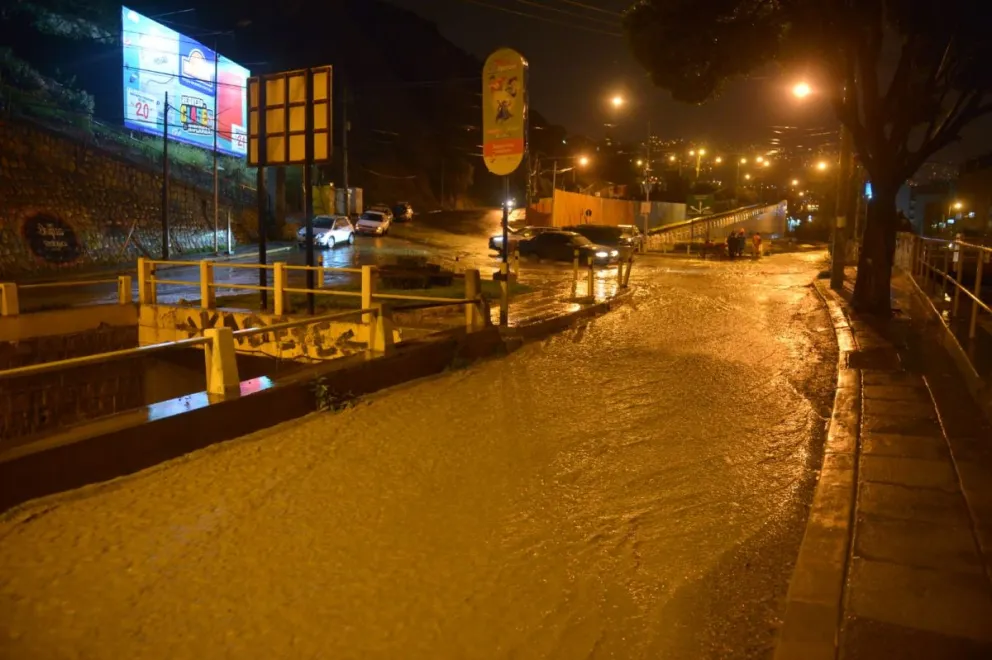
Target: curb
(814,604)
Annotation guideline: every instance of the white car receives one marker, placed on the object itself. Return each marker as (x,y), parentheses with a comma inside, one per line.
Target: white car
(328,231)
(374,223)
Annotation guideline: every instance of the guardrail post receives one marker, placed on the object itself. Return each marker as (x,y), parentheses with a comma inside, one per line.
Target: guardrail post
(620,272)
(368,290)
(575,265)
(473,310)
(626,277)
(591,282)
(958,268)
(380,331)
(221,362)
(320,271)
(146,287)
(943,281)
(279,286)
(8,299)
(208,298)
(125,293)
(978,294)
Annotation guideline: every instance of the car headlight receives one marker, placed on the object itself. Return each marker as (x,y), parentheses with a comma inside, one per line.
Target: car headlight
(614,253)
(602,254)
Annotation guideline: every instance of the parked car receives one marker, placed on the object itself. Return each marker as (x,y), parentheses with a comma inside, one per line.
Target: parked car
(328,231)
(514,236)
(374,223)
(622,236)
(561,246)
(402,212)
(383,209)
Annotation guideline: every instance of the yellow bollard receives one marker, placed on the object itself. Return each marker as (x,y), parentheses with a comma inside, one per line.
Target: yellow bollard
(473,311)
(575,266)
(279,286)
(9,305)
(207,292)
(591,283)
(320,271)
(125,295)
(368,290)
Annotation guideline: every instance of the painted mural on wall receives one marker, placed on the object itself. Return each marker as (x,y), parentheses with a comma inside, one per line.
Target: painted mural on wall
(316,342)
(51,239)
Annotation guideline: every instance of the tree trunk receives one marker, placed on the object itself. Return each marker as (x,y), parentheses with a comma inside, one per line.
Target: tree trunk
(872,289)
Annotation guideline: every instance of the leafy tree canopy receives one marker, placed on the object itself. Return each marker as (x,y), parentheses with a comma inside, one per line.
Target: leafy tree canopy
(903,76)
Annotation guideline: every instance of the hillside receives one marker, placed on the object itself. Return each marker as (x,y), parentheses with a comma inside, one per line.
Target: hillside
(413,96)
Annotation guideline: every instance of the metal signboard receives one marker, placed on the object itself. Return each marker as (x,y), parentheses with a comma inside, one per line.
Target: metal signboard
(504,111)
(277,117)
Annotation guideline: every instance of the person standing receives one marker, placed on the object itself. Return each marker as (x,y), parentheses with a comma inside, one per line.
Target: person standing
(732,244)
(741,242)
(756,245)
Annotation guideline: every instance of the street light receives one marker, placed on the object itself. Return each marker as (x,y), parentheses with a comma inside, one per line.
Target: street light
(759,159)
(617,101)
(822,165)
(671,159)
(583,160)
(766,163)
(747,177)
(719,160)
(743,161)
(801,90)
(639,162)
(795,182)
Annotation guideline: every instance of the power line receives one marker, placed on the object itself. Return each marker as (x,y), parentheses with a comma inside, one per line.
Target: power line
(591,7)
(568,12)
(541,18)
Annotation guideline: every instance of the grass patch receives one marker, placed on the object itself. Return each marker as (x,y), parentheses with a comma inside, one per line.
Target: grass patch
(328,304)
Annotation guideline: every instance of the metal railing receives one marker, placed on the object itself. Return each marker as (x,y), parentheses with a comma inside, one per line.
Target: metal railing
(698,229)
(933,260)
(10,291)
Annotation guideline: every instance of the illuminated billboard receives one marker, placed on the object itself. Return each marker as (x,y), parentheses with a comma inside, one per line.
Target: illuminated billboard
(201,85)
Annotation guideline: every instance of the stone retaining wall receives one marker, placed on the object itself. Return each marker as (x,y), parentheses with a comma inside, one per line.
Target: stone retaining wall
(30,405)
(66,205)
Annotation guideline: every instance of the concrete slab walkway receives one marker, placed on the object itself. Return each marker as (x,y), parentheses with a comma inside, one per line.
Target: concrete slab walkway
(911,578)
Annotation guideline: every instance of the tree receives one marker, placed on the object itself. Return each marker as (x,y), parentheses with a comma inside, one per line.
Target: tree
(903,76)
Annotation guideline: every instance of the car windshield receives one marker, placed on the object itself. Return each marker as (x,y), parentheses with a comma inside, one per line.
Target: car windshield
(341,223)
(372,216)
(322,222)
(580,240)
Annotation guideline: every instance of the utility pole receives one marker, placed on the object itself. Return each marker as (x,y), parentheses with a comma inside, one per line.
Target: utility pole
(344,145)
(839,242)
(647,184)
(554,187)
(165,180)
(216,94)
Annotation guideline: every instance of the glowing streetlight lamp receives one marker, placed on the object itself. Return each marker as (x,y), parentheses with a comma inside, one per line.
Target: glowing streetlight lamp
(743,161)
(822,165)
(671,159)
(795,182)
(719,160)
(759,159)
(747,177)
(583,160)
(766,163)
(617,101)
(801,90)
(692,152)
(639,162)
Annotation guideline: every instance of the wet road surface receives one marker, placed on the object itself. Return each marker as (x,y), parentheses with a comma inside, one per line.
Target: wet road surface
(631,488)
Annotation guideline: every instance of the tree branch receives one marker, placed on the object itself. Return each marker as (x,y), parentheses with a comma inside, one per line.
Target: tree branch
(950,129)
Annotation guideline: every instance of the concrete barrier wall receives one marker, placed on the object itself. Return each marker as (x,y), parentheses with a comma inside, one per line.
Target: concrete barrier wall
(322,341)
(66,321)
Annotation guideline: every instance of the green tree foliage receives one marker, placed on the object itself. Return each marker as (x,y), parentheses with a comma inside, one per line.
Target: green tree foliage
(903,76)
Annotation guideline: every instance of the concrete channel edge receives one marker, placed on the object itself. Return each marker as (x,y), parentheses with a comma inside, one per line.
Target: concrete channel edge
(133,441)
(814,603)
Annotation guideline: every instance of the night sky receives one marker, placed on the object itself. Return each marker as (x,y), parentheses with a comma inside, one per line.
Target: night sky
(574,72)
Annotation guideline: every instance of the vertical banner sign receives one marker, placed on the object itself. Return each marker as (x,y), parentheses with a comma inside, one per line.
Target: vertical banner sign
(504,111)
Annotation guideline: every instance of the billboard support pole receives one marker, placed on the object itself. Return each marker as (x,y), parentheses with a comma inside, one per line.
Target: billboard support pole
(308,186)
(344,145)
(263,279)
(216,94)
(165,181)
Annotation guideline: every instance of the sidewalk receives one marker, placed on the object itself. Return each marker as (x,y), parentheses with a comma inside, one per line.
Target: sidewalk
(897,556)
(125,267)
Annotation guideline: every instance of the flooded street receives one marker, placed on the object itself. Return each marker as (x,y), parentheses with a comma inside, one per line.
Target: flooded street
(631,488)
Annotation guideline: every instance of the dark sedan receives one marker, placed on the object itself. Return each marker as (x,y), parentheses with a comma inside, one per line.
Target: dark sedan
(622,236)
(514,237)
(562,245)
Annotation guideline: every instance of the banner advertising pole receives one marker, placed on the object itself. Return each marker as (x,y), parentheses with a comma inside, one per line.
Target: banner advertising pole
(165,180)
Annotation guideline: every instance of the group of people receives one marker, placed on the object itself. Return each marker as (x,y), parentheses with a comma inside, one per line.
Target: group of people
(737,241)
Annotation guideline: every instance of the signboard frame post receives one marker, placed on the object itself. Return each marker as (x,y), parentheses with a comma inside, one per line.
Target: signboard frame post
(308,186)
(165,180)
(505,119)
(260,194)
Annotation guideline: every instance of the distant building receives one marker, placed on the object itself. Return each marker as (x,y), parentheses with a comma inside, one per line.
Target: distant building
(974,191)
(930,207)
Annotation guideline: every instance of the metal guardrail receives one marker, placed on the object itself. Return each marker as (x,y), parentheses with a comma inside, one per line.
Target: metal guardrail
(697,229)
(99,358)
(930,259)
